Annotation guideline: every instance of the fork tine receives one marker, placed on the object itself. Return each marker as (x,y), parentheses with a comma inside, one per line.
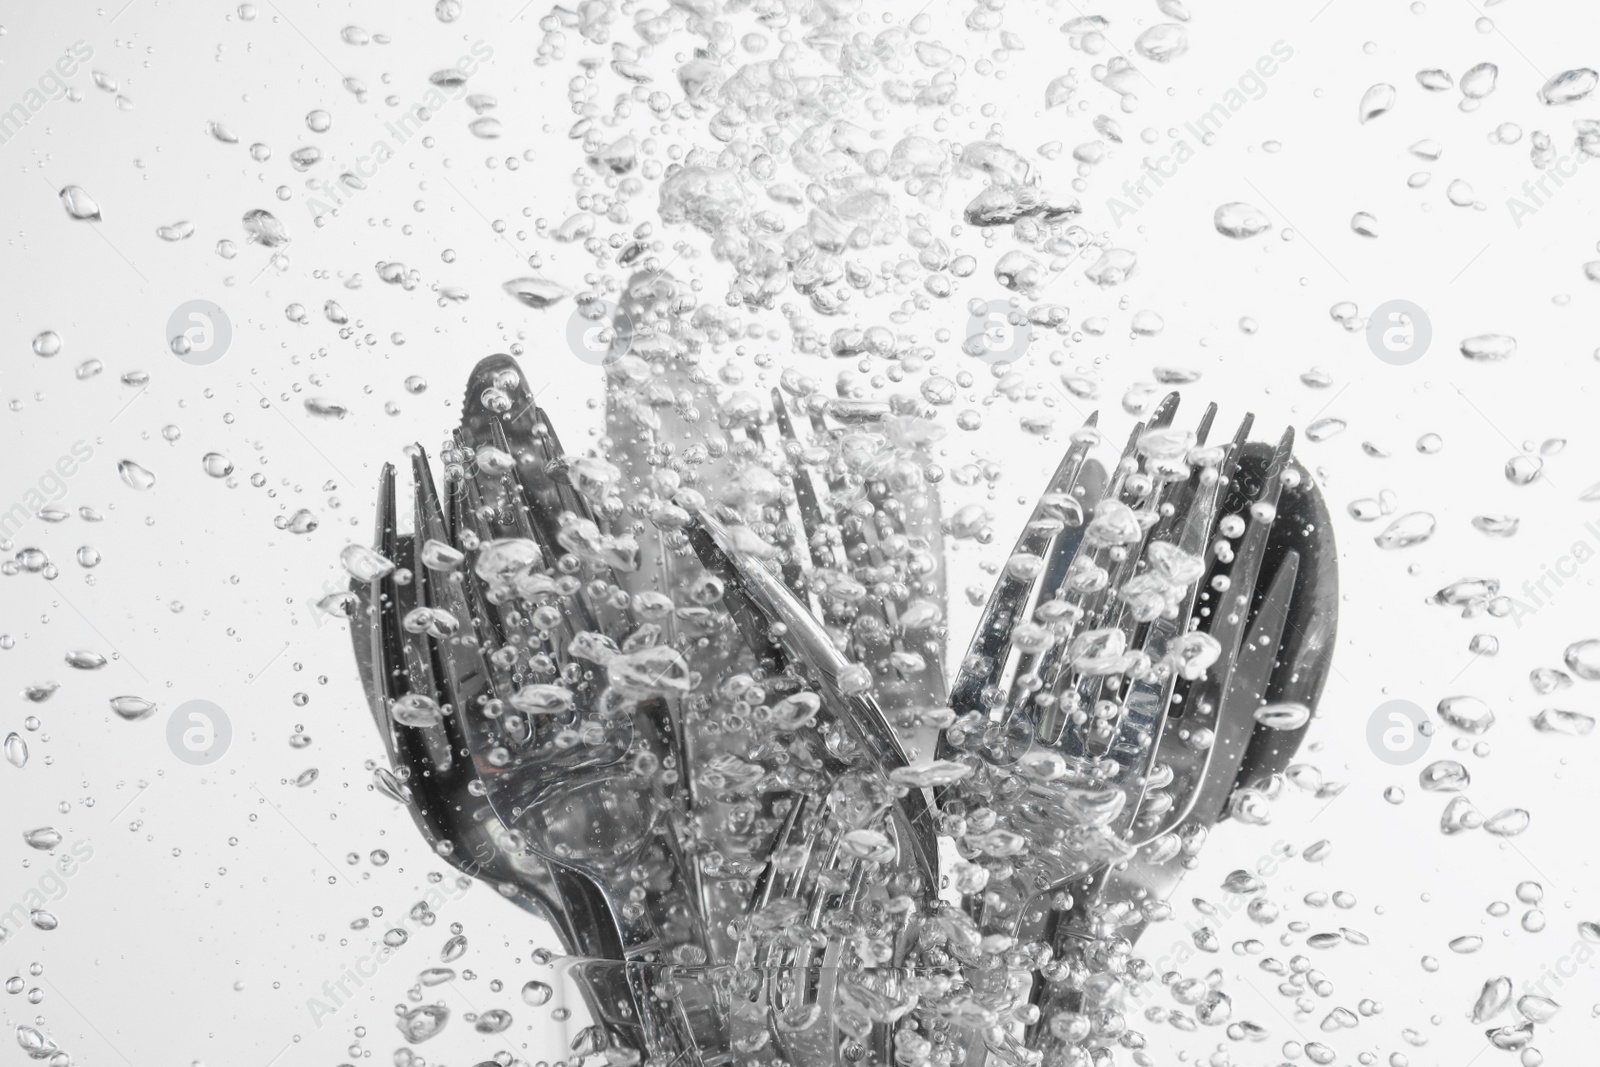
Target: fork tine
(390,654)
(737,599)
(537,501)
(984,664)
(1247,686)
(432,804)
(555,466)
(1165,412)
(1146,701)
(1201,700)
(751,589)
(523,432)
(862,541)
(403,665)
(556,469)
(805,492)
(926,642)
(1305,656)
(1066,550)
(1096,610)
(772,881)
(534,494)
(386,651)
(459,664)
(512,519)
(852,530)
(1203,430)
(1298,669)
(805,641)
(1092,480)
(400,664)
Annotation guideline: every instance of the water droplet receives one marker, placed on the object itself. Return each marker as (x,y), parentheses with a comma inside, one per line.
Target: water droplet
(1570,723)
(1492,1000)
(1113,267)
(1523,470)
(1537,1009)
(1569,86)
(1508,823)
(44,838)
(85,659)
(1583,659)
(364,564)
(1460,193)
(1489,347)
(323,408)
(263,228)
(79,204)
(135,476)
(1479,81)
(1410,529)
(1163,42)
(537,293)
(493,1021)
(1375,101)
(419,1024)
(1467,714)
(1324,428)
(1240,220)
(132,708)
(1444,776)
(1283,717)
(414,709)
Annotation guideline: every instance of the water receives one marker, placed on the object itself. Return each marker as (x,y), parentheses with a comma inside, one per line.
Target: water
(1569,86)
(1377,100)
(1240,220)
(943,237)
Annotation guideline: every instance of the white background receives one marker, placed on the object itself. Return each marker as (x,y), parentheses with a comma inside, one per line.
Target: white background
(176,944)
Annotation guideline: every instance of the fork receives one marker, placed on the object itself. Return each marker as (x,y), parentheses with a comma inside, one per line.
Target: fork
(872,527)
(448,648)
(583,834)
(1084,709)
(1088,677)
(1171,619)
(439,780)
